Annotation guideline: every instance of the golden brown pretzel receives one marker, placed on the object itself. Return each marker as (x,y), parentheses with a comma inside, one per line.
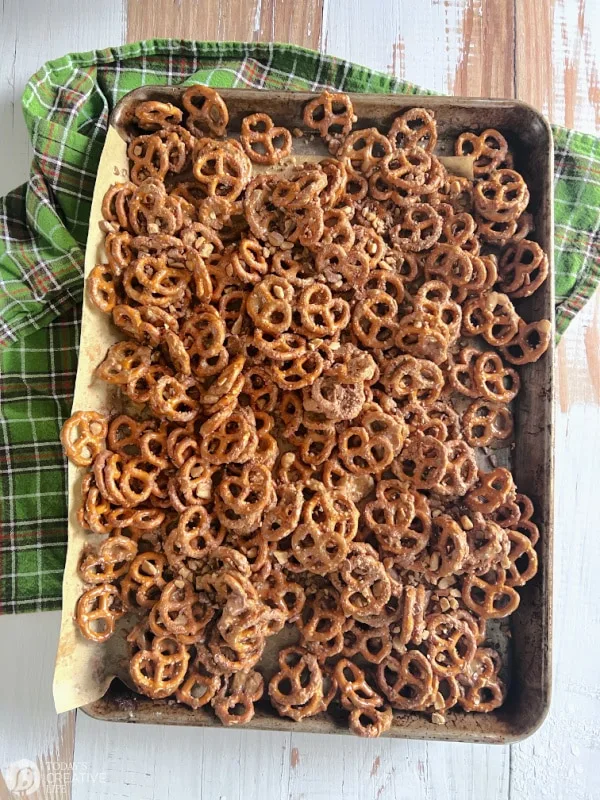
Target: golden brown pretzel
(414,128)
(83,436)
(153,115)
(160,670)
(264,142)
(330,113)
(206,111)
(97,610)
(296,689)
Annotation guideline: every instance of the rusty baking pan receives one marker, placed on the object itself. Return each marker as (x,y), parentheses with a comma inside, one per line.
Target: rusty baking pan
(528,641)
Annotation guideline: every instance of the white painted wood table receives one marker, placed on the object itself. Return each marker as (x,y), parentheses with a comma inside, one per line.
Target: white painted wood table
(543,51)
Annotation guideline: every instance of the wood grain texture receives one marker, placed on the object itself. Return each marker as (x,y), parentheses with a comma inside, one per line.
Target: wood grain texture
(29,727)
(445,46)
(240,20)
(228,764)
(559,761)
(558,58)
(29,35)
(449,46)
(557,71)
(34,32)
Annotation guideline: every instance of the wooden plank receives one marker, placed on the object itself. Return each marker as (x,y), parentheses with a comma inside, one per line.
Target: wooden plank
(245,20)
(455,47)
(557,72)
(30,730)
(141,762)
(558,58)
(34,32)
(559,761)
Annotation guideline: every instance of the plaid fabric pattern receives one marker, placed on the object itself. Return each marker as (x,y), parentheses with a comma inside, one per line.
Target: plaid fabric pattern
(43,228)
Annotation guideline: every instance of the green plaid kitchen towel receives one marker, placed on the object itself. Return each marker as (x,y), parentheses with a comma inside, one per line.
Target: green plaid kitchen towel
(43,228)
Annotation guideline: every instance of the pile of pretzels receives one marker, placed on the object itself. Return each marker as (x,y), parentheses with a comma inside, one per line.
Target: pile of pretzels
(315,360)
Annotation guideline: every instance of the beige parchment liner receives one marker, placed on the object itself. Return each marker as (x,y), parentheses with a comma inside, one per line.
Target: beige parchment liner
(85,669)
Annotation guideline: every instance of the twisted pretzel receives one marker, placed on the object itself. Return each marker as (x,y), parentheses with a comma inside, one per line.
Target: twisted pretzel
(206,111)
(83,436)
(263,142)
(331,113)
(97,611)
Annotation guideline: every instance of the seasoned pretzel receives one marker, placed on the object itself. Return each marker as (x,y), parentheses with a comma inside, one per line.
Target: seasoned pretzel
(102,288)
(374,320)
(413,380)
(198,690)
(203,336)
(447,548)
(522,269)
(489,150)
(269,305)
(413,128)
(110,562)
(149,281)
(451,644)
(152,115)
(488,596)
(152,211)
(363,150)
(407,682)
(493,490)
(230,438)
(159,671)
(362,581)
(331,113)
(461,470)
(372,446)
(319,313)
(234,702)
(175,400)
(206,111)
(482,690)
(530,342)
(83,436)
(355,690)
(150,157)
(264,142)
(241,498)
(97,611)
(485,422)
(145,580)
(301,190)
(296,689)
(221,169)
(116,205)
(492,316)
(502,196)
(523,560)
(370,722)
(180,610)
(249,263)
(422,461)
(419,229)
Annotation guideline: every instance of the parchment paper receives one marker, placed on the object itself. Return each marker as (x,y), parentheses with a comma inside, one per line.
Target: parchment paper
(84,669)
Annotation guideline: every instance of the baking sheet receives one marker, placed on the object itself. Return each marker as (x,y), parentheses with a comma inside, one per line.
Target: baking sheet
(84,669)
